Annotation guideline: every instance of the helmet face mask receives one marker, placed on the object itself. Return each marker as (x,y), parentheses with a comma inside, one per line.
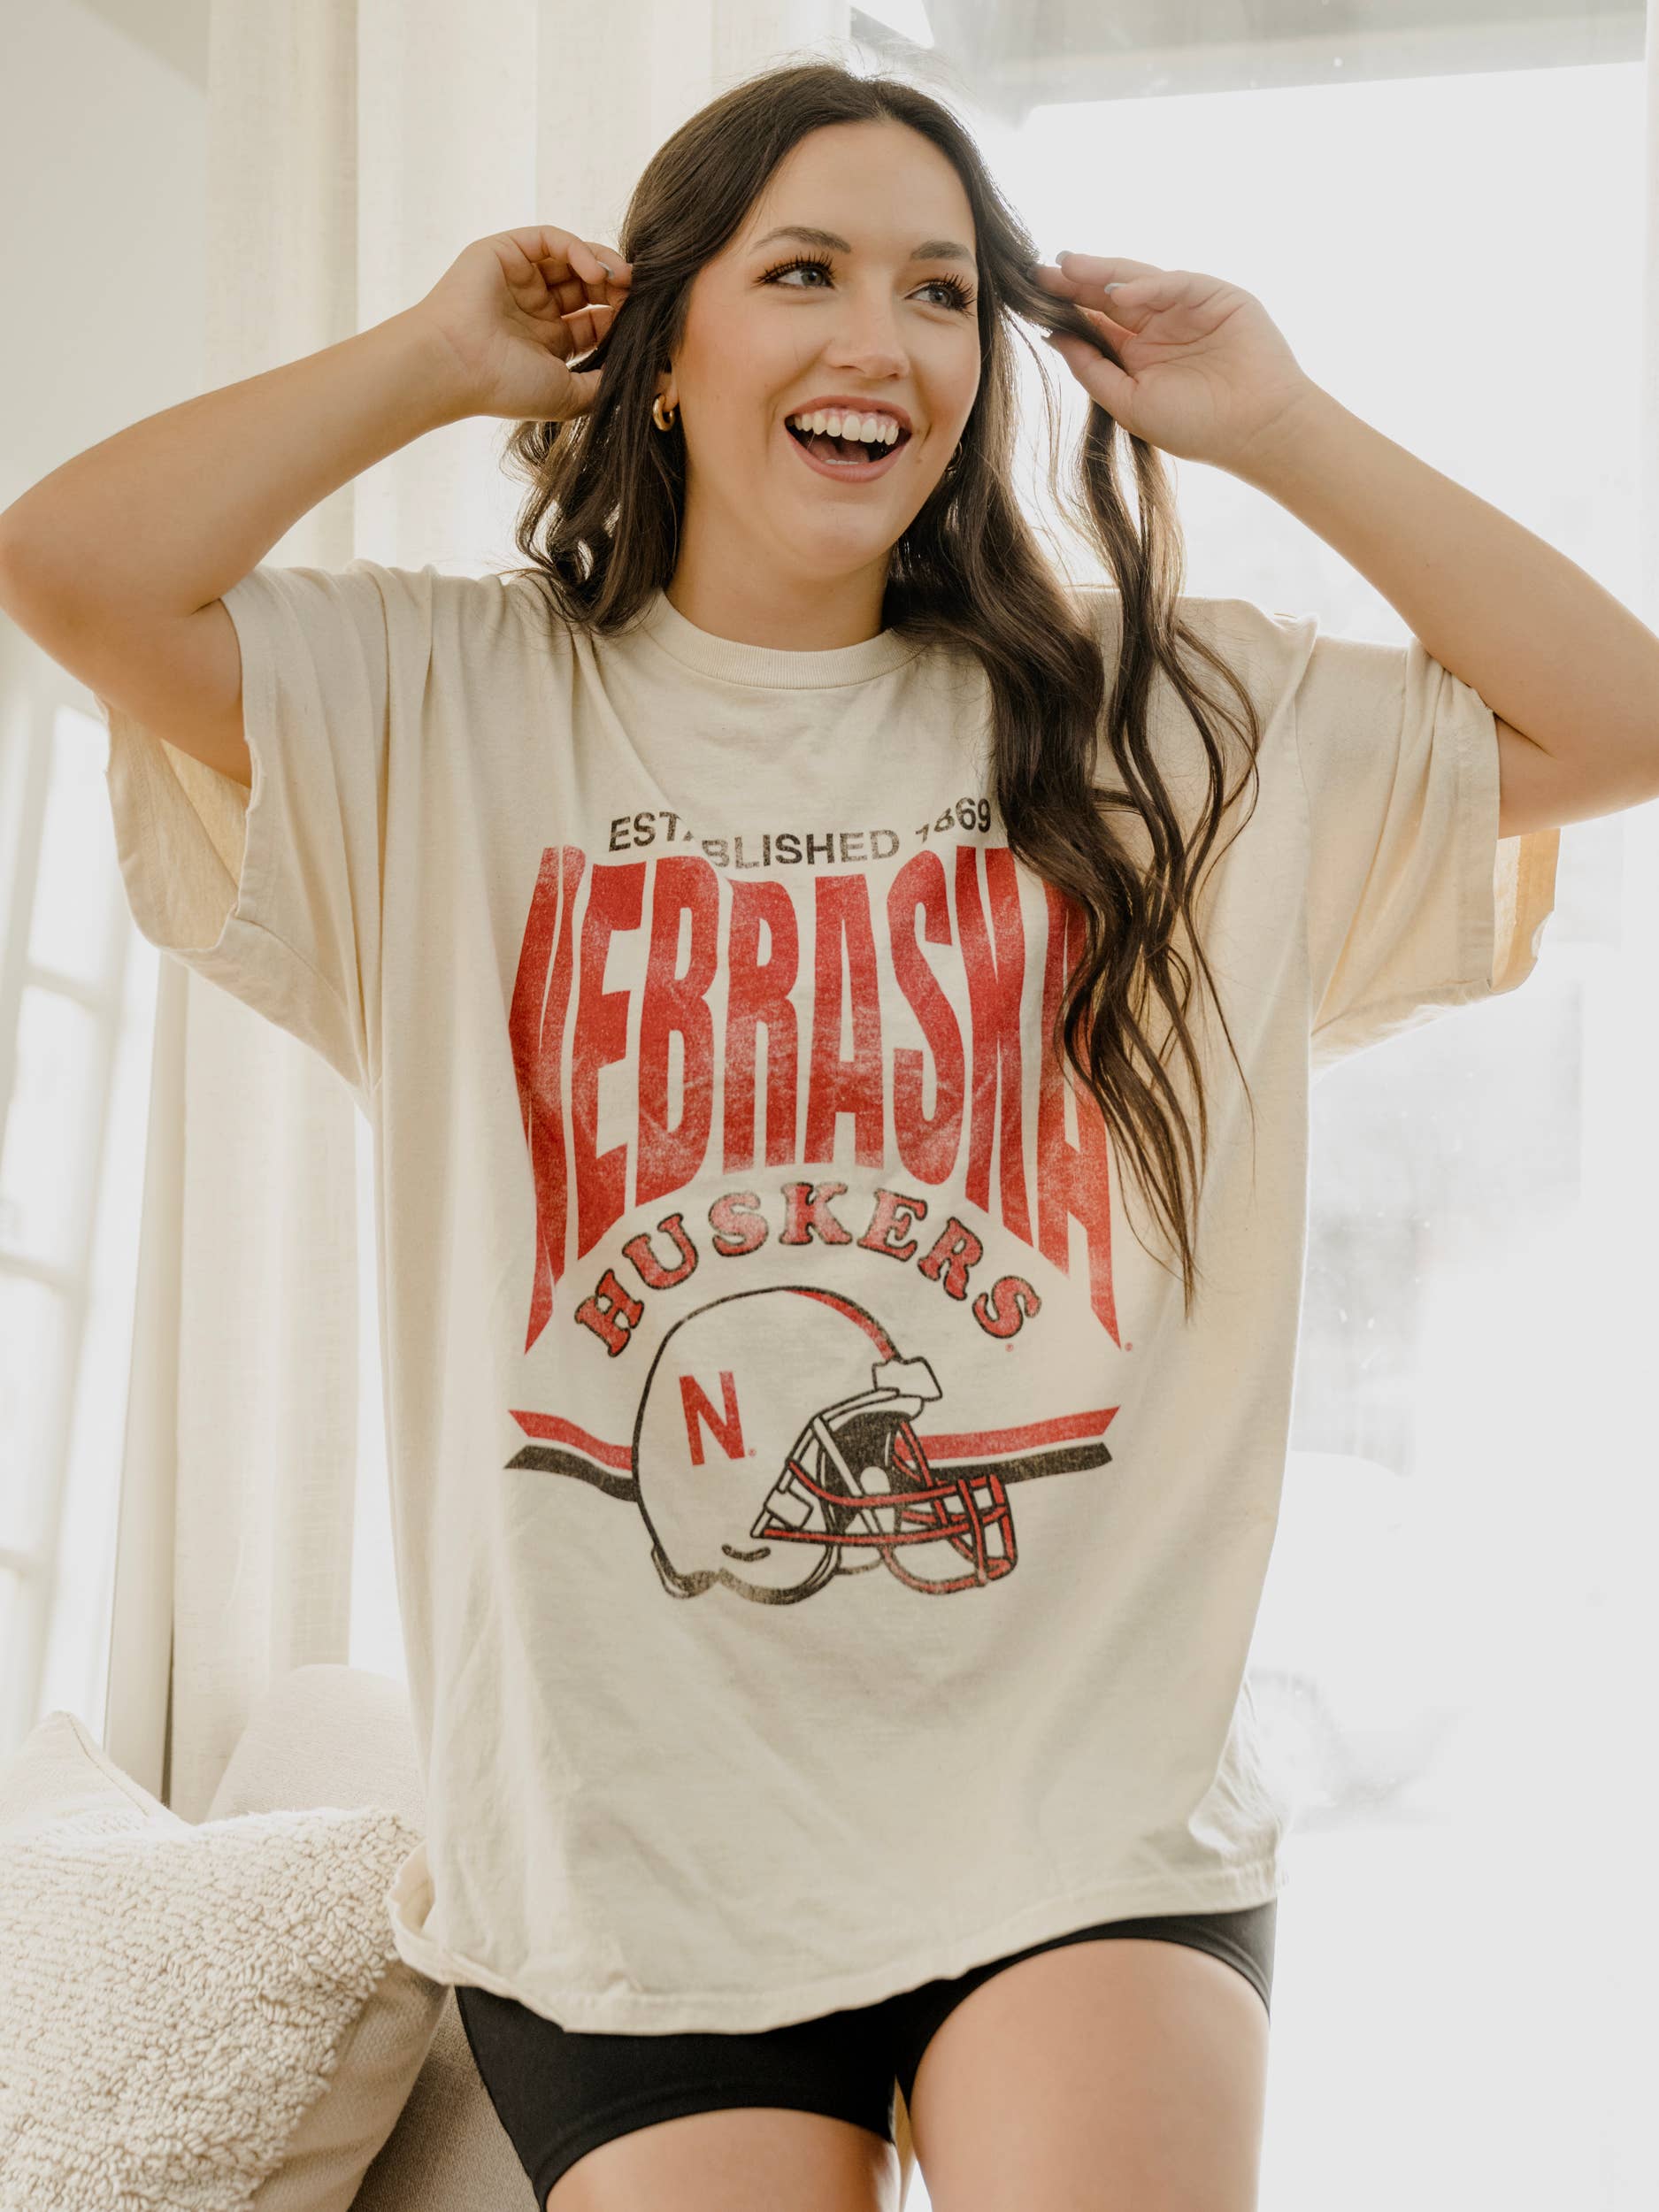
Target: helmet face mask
(846,1451)
(740,1393)
(867,1450)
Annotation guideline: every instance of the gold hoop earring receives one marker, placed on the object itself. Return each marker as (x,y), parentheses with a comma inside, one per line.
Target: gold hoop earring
(664,421)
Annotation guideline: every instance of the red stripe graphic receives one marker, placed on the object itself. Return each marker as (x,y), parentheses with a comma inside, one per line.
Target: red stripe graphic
(1063,1428)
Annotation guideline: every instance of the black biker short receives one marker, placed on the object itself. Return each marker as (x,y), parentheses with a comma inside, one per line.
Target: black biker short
(559,2092)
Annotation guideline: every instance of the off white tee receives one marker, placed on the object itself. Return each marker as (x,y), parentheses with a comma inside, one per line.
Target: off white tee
(828,1557)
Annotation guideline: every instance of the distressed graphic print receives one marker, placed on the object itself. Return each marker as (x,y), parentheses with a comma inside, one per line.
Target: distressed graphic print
(819,1415)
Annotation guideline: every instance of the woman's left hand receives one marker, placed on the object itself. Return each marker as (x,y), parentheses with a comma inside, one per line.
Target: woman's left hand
(1207,374)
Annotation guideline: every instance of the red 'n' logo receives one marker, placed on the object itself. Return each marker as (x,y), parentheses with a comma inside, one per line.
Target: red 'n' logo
(726,1425)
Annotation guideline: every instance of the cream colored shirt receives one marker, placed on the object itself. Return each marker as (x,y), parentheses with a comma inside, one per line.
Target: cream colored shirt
(828,1558)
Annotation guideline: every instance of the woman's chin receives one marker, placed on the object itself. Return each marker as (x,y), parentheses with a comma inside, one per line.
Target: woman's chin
(820,538)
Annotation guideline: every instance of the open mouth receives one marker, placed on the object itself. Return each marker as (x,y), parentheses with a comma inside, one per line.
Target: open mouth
(846,456)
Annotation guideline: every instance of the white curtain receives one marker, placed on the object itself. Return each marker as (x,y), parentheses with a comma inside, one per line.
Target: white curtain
(353,152)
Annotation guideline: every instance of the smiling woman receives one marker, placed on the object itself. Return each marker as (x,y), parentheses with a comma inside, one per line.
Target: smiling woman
(828,1541)
(764,930)
(883,327)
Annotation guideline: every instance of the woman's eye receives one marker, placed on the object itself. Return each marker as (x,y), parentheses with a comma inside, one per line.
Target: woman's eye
(792,268)
(956,294)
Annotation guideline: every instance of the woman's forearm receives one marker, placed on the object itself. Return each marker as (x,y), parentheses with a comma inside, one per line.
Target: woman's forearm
(167,515)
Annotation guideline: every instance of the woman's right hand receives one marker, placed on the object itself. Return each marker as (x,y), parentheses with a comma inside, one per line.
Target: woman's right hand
(513,308)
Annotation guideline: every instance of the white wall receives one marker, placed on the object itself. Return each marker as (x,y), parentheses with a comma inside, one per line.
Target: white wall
(102,158)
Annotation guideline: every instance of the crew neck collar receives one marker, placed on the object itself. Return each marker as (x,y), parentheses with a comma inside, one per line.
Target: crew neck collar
(737,664)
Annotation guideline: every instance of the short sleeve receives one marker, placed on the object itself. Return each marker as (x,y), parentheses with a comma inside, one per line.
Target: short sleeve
(1414,901)
(274,891)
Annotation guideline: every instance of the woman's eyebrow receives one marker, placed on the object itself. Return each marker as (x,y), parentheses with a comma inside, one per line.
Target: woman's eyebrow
(930,248)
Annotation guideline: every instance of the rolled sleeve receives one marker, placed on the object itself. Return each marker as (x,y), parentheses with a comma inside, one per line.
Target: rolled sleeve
(274,891)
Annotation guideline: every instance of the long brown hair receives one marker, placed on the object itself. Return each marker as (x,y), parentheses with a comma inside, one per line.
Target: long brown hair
(969,572)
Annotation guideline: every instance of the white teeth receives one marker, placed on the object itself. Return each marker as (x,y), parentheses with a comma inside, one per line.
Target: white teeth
(868,429)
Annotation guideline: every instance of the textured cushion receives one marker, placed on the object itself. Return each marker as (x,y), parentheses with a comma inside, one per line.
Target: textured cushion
(327,1734)
(194,2016)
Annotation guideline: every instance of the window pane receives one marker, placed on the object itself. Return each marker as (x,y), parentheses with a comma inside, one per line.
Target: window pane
(74,914)
(47,1160)
(31,1381)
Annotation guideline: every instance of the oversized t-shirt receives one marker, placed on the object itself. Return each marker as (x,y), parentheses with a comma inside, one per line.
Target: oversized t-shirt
(827,1555)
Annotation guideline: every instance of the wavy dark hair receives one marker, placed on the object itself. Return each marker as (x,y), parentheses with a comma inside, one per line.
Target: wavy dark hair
(601,530)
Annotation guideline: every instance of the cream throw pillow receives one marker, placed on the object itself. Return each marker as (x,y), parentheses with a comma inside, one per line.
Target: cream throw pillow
(199,2018)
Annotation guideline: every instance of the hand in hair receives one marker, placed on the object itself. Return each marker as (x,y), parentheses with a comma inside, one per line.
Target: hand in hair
(513,308)
(1195,365)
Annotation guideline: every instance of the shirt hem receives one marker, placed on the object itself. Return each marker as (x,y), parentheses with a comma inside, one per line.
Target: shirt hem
(646,2012)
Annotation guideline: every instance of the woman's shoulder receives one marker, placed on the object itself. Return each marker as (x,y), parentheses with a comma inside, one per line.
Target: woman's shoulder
(1100,602)
(471,611)
(1267,649)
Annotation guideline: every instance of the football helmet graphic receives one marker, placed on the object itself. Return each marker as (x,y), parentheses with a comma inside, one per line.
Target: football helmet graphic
(774,1445)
